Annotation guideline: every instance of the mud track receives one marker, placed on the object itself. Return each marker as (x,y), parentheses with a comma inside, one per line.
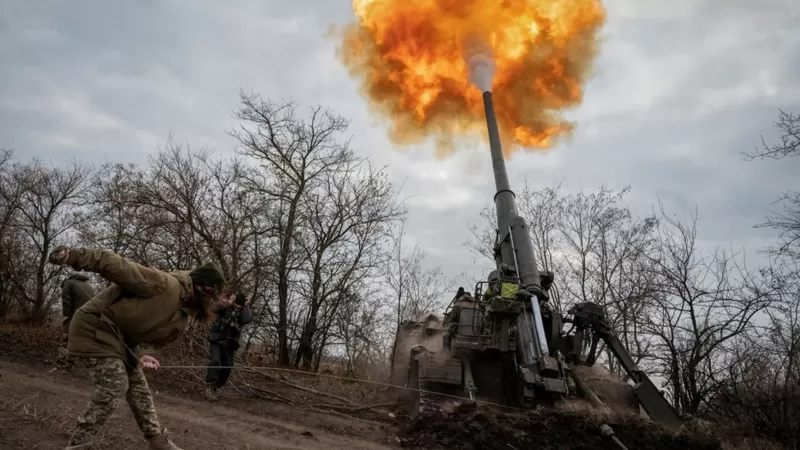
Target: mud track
(38,408)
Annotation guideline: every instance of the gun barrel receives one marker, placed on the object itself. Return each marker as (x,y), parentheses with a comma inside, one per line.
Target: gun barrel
(496,148)
(515,247)
(505,204)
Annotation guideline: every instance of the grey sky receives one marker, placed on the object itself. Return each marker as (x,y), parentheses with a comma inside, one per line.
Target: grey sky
(681,89)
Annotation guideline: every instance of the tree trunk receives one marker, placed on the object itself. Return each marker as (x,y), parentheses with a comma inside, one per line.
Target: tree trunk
(284,357)
(38,312)
(305,350)
(321,348)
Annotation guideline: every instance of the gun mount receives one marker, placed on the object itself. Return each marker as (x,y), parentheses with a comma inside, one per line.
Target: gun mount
(506,345)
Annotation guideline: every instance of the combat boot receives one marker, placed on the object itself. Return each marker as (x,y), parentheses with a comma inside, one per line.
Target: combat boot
(211,393)
(82,446)
(162,442)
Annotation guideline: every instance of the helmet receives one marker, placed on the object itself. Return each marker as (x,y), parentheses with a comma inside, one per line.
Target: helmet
(493,276)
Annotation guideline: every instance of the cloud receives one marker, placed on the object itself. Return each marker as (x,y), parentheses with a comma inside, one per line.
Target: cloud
(681,89)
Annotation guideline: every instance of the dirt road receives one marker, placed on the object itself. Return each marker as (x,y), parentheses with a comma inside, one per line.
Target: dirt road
(38,408)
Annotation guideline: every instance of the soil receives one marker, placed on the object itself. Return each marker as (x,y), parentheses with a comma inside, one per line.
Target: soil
(470,427)
(16,432)
(38,408)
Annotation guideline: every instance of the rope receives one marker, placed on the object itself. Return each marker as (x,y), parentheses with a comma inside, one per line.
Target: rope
(322,375)
(337,377)
(605,430)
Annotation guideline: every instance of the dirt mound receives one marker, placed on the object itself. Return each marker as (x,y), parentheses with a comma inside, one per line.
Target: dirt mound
(470,427)
(615,393)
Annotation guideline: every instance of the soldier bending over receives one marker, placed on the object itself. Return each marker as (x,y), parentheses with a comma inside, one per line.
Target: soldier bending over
(141,307)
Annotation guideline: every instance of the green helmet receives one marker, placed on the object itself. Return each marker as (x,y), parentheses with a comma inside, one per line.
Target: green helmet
(208,274)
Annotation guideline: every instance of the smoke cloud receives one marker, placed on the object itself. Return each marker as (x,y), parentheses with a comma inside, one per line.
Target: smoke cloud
(418,64)
(480,62)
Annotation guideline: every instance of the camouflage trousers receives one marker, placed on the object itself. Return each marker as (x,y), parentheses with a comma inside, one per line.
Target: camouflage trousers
(63,360)
(112,381)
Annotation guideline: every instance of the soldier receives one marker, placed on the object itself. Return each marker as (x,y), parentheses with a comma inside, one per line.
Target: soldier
(142,307)
(462,300)
(494,286)
(75,292)
(231,316)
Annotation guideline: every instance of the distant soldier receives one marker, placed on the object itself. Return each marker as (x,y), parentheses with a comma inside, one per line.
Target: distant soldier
(75,292)
(143,307)
(462,300)
(231,316)
(494,286)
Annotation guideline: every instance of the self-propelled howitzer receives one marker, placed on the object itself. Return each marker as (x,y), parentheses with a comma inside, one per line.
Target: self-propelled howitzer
(504,344)
(542,375)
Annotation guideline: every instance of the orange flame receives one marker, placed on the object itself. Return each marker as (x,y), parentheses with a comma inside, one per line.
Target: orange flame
(410,59)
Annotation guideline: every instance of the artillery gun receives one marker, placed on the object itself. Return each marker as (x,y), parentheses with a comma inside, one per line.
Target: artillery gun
(506,345)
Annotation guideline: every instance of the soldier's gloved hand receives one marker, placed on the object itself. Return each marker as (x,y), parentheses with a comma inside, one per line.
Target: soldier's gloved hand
(59,256)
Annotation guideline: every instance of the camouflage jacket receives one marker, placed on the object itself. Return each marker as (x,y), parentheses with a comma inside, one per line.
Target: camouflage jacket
(143,307)
(229,322)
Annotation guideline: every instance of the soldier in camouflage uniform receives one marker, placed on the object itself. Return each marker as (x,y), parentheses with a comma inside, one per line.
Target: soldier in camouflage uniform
(114,381)
(141,308)
(231,316)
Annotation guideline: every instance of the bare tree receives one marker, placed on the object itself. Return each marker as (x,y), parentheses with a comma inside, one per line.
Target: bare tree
(787,220)
(182,193)
(543,210)
(197,209)
(295,154)
(762,391)
(787,223)
(703,305)
(789,126)
(47,209)
(11,239)
(349,219)
(482,234)
(359,329)
(783,342)
(116,221)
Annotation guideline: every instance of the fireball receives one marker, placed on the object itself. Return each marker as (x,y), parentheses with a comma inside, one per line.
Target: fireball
(412,58)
